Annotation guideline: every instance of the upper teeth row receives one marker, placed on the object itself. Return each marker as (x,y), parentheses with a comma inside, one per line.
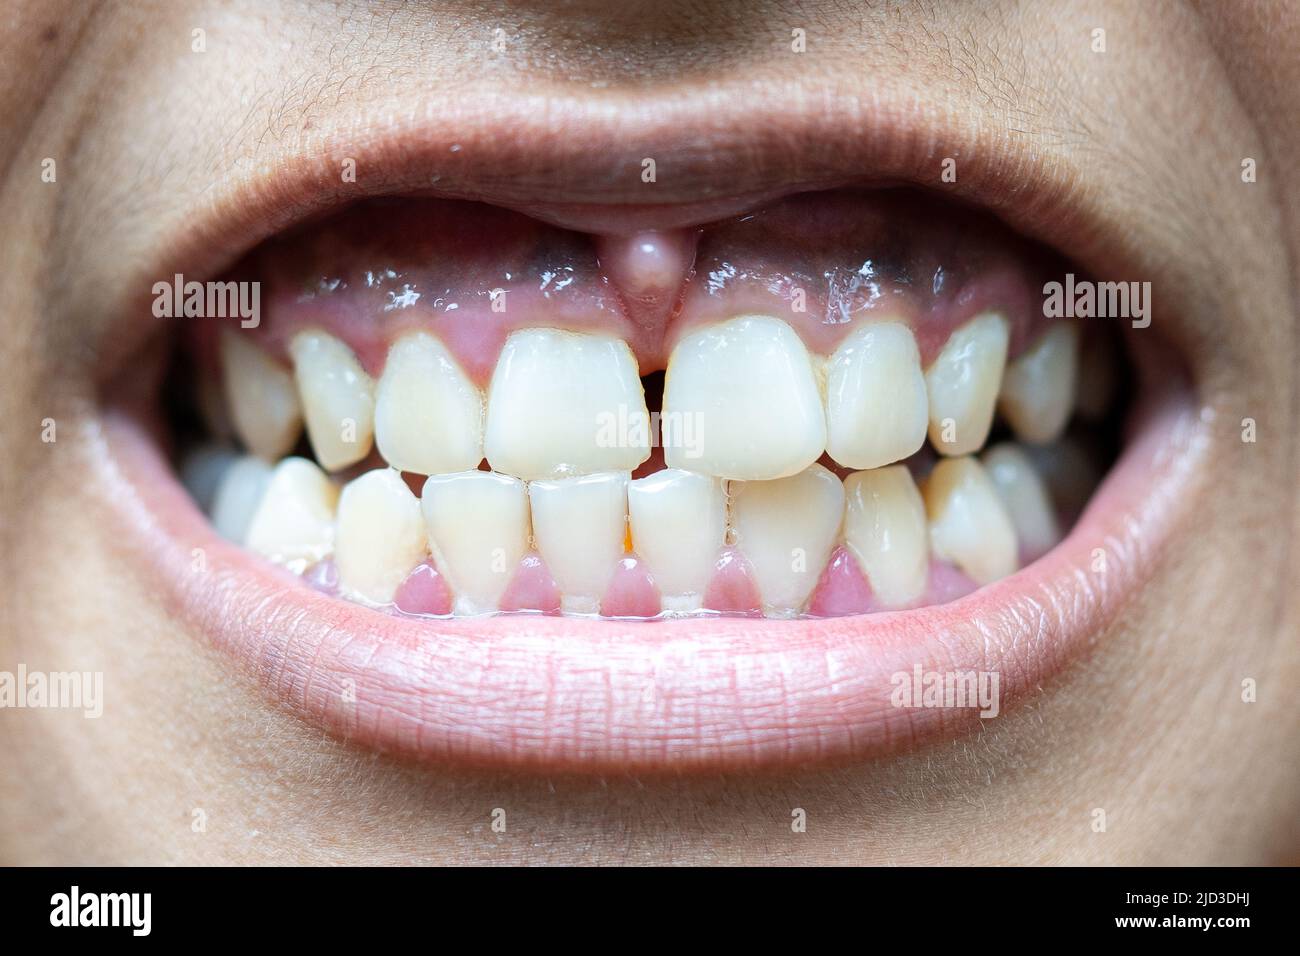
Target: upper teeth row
(477,526)
(743,399)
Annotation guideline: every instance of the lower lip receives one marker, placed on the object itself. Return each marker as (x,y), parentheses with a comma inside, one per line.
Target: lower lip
(560,694)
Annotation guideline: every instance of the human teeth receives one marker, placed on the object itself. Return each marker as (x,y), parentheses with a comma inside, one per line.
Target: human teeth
(963,384)
(885,528)
(565,403)
(380,536)
(580,525)
(679,525)
(238,495)
(294,524)
(969,526)
(741,401)
(876,406)
(428,415)
(478,533)
(338,399)
(1038,388)
(261,397)
(1024,494)
(786,529)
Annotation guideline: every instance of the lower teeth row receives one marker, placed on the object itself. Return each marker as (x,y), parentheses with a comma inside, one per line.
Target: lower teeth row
(673,542)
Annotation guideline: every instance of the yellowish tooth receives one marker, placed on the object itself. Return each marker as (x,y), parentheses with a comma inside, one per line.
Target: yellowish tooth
(478,533)
(885,528)
(580,525)
(679,525)
(428,414)
(969,526)
(786,529)
(876,404)
(1038,388)
(565,403)
(380,536)
(237,496)
(338,399)
(741,401)
(1024,494)
(294,524)
(260,396)
(963,384)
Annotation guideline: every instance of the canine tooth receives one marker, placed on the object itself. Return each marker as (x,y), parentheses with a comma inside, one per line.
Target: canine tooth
(565,403)
(746,392)
(969,526)
(261,397)
(963,382)
(380,536)
(338,399)
(786,529)
(478,533)
(679,525)
(428,414)
(580,525)
(1038,387)
(294,524)
(885,528)
(876,404)
(1024,494)
(238,495)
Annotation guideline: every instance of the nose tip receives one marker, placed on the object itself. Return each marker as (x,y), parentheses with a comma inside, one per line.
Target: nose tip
(649,269)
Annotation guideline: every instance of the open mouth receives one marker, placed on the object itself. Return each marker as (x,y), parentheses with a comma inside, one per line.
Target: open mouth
(789,413)
(593,488)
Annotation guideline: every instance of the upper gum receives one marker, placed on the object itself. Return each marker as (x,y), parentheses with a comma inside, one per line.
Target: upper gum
(475,334)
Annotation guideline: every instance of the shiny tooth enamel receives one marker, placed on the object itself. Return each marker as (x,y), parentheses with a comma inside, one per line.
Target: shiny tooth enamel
(565,403)
(260,396)
(580,525)
(877,410)
(478,527)
(969,527)
(294,524)
(428,414)
(338,399)
(741,400)
(678,521)
(380,536)
(1024,494)
(238,495)
(1038,388)
(786,529)
(886,530)
(963,383)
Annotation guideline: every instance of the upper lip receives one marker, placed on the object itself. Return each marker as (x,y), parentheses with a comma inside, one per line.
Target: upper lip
(608,695)
(577,161)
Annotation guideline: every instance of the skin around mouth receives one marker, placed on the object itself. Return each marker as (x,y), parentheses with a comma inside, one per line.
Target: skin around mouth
(834,404)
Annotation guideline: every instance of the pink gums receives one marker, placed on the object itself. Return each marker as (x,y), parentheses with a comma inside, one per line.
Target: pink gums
(632,592)
(424,592)
(471,274)
(532,588)
(732,589)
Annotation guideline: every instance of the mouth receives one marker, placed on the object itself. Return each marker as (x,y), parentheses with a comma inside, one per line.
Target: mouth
(547,470)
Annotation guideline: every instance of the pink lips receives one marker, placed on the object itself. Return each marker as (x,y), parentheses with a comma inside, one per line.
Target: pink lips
(561,694)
